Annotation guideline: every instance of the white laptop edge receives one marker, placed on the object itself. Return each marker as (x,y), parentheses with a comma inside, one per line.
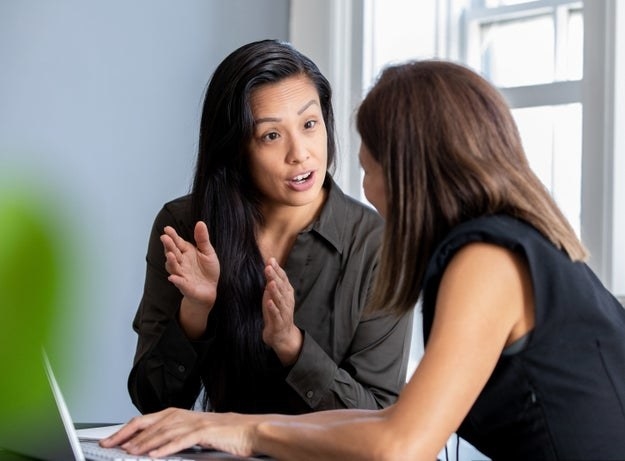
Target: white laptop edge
(62,406)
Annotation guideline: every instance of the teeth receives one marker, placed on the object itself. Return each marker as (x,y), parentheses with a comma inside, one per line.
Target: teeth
(301,177)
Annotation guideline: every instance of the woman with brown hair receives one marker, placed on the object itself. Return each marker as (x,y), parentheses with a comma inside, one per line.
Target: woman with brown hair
(524,347)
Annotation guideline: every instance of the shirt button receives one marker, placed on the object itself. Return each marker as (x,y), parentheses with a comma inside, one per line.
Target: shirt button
(309,394)
(181,368)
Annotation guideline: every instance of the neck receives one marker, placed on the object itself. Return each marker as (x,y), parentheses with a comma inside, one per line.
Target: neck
(282,224)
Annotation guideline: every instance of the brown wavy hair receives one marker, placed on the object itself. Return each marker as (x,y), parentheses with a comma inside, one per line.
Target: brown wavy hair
(450,151)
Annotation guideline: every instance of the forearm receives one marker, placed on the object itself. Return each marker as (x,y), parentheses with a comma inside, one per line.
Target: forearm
(333,435)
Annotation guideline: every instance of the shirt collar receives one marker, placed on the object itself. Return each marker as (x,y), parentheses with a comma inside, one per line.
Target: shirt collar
(330,223)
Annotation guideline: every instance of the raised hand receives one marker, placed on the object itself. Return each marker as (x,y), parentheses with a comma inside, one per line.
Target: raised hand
(279,331)
(194,269)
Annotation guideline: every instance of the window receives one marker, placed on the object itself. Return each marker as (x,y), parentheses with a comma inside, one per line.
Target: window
(556,61)
(533,51)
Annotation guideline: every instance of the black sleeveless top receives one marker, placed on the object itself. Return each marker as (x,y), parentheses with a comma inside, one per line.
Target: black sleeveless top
(563,395)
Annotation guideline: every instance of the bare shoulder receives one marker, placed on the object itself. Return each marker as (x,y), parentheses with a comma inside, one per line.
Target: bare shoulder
(481,260)
(493,282)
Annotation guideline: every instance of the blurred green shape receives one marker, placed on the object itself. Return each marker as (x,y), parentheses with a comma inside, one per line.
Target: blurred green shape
(32,280)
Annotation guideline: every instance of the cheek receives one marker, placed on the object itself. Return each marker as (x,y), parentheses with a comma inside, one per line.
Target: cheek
(379,196)
(371,192)
(260,165)
(366,187)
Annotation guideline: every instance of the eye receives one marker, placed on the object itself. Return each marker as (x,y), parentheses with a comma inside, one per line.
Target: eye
(310,124)
(271,136)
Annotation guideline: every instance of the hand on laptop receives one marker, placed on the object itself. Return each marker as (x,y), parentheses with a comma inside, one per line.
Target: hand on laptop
(172,430)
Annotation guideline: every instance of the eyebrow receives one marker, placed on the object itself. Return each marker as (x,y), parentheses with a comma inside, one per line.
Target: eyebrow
(306,106)
(277,119)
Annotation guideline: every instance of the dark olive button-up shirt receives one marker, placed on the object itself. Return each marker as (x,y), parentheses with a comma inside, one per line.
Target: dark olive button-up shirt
(349,358)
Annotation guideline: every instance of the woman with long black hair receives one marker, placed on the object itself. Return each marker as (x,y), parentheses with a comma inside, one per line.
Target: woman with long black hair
(256,282)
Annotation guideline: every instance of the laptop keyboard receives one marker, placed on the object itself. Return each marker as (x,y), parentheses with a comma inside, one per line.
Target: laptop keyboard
(94,452)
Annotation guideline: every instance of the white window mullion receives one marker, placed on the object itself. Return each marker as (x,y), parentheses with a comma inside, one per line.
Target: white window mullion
(617,282)
(560,22)
(548,94)
(598,135)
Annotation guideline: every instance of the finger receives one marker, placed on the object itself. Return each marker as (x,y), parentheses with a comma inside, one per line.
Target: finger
(150,439)
(282,293)
(273,272)
(270,274)
(178,241)
(179,281)
(130,429)
(172,264)
(158,433)
(202,240)
(272,315)
(175,445)
(170,246)
(278,271)
(275,294)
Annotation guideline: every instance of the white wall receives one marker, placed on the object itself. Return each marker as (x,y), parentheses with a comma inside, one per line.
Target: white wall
(99,105)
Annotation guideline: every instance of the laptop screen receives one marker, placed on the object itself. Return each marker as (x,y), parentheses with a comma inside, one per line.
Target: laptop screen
(33,425)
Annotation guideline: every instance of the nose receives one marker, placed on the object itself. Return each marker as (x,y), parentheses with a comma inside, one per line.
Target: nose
(298,152)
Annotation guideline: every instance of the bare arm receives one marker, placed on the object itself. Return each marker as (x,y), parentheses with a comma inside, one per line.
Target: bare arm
(484,303)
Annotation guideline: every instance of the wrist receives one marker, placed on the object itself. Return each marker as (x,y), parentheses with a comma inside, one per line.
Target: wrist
(193,316)
(288,350)
(195,305)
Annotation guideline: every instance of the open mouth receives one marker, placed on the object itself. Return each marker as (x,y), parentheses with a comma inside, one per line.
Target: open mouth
(302,178)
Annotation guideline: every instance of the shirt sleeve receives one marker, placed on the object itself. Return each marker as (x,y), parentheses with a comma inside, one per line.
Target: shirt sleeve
(370,377)
(166,368)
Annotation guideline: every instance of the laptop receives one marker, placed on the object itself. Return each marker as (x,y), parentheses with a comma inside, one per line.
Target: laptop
(43,428)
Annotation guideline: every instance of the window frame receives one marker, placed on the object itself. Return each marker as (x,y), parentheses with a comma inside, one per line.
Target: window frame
(332,34)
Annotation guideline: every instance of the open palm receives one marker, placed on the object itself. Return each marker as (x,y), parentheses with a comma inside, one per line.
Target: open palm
(194,269)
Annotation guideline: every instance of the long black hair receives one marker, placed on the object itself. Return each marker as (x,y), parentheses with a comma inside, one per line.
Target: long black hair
(224,197)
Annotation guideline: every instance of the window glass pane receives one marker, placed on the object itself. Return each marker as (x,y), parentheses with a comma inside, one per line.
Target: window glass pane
(520,52)
(575,46)
(400,30)
(552,138)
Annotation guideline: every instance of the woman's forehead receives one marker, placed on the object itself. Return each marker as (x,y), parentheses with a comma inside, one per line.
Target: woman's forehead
(294,94)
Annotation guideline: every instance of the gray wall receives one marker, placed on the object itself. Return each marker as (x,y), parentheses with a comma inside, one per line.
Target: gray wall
(99,107)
